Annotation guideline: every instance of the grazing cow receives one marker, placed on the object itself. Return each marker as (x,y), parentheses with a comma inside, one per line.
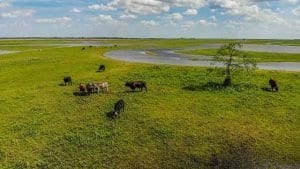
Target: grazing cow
(90,88)
(273,85)
(112,114)
(82,87)
(119,106)
(136,84)
(103,86)
(83,48)
(101,68)
(68,80)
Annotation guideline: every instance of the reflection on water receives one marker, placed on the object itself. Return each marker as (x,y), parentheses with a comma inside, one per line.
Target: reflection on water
(171,58)
(54,45)
(255,48)
(64,44)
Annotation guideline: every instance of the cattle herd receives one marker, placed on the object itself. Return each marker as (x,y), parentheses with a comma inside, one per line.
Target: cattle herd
(119,107)
(95,87)
(103,87)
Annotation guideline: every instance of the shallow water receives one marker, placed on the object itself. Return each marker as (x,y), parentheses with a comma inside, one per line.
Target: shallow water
(55,45)
(87,43)
(2,52)
(169,57)
(256,48)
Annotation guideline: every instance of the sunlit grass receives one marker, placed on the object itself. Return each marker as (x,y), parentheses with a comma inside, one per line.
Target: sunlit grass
(179,123)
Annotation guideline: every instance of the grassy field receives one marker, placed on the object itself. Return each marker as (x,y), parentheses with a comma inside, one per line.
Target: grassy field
(185,120)
(259,56)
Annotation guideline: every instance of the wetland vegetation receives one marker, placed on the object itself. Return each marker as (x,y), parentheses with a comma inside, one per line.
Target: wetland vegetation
(185,120)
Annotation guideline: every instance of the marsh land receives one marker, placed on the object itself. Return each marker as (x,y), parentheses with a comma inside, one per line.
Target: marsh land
(185,120)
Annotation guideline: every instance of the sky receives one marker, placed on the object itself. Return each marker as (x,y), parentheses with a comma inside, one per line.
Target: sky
(272,19)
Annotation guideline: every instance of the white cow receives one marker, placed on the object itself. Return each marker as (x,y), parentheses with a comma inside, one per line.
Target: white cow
(103,86)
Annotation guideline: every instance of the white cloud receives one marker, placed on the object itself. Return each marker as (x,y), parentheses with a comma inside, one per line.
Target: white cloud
(102,19)
(102,7)
(188,24)
(75,10)
(128,16)
(296,11)
(204,22)
(18,13)
(248,9)
(188,3)
(149,23)
(175,17)
(246,13)
(213,18)
(4,4)
(291,1)
(142,7)
(191,12)
(54,20)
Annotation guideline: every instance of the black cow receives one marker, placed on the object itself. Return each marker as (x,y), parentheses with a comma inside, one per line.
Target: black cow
(101,68)
(112,114)
(68,80)
(83,48)
(273,85)
(137,84)
(119,106)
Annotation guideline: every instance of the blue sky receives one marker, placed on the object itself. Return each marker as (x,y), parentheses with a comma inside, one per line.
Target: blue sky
(151,18)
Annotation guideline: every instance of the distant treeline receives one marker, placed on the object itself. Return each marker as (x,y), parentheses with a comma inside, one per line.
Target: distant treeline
(30,38)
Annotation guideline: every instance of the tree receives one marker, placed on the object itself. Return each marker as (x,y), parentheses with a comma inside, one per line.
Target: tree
(234,60)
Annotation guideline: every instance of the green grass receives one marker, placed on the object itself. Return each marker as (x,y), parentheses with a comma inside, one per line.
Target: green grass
(258,56)
(180,123)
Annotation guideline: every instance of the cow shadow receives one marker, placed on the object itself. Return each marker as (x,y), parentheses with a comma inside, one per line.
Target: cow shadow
(81,94)
(62,84)
(133,91)
(214,86)
(267,89)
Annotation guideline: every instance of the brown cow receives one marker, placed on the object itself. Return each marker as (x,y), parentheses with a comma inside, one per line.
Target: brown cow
(82,87)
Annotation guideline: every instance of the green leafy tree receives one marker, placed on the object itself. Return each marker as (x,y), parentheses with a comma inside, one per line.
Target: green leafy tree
(234,60)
